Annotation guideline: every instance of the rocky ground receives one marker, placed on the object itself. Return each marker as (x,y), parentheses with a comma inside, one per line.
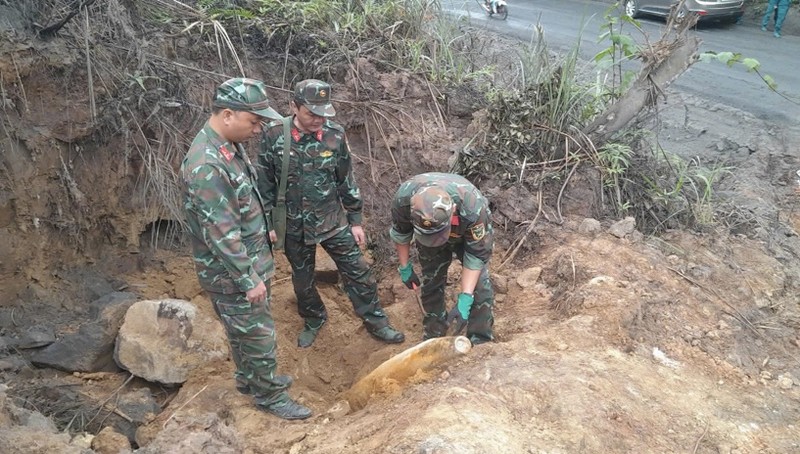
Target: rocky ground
(609,339)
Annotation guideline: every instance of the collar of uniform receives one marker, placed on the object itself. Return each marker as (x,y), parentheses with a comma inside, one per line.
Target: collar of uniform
(217,141)
(297,135)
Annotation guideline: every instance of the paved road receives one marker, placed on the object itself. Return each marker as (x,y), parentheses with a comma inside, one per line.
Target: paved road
(565,20)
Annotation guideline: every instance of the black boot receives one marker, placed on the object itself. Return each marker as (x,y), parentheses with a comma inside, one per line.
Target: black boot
(284,380)
(309,333)
(387,334)
(286,409)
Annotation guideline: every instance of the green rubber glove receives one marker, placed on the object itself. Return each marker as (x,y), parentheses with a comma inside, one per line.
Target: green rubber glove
(459,315)
(408,276)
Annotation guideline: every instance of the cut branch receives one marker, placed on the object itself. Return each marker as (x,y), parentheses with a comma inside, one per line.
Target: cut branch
(664,61)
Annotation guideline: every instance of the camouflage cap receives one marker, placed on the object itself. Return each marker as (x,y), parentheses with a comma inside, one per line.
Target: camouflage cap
(316,96)
(431,213)
(247,95)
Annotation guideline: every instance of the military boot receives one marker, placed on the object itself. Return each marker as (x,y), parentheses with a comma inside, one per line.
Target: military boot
(387,334)
(283,380)
(310,329)
(286,409)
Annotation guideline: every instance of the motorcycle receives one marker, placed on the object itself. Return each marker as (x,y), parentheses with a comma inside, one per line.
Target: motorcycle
(495,8)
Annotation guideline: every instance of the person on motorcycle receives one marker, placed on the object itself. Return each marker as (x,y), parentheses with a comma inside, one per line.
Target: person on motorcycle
(492,5)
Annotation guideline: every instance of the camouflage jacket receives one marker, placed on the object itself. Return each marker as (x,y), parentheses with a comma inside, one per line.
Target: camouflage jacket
(225,215)
(322,197)
(470,225)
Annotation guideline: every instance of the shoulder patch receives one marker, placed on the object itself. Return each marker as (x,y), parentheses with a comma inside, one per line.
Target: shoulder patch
(335,126)
(478,231)
(225,153)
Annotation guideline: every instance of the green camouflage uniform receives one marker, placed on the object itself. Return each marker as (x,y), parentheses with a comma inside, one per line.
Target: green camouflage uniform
(470,238)
(322,202)
(231,248)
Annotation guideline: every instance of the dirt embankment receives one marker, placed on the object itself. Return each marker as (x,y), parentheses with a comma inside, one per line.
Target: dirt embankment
(605,343)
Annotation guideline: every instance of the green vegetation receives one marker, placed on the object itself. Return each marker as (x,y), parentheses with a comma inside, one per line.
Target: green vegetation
(533,127)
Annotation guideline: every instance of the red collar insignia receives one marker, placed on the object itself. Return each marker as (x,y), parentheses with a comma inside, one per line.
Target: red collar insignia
(296,135)
(226,153)
(454,220)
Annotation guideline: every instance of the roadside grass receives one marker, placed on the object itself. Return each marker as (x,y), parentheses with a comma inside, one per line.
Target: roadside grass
(532,136)
(533,127)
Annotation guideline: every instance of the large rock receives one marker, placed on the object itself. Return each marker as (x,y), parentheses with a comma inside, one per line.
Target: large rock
(90,349)
(163,341)
(623,227)
(36,336)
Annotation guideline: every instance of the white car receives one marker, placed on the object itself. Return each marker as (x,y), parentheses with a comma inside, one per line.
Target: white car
(724,10)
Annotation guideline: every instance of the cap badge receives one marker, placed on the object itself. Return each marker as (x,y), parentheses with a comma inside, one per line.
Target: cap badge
(323,93)
(426,223)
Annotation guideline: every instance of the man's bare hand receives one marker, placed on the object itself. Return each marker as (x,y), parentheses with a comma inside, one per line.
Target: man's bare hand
(358,234)
(273,237)
(257,294)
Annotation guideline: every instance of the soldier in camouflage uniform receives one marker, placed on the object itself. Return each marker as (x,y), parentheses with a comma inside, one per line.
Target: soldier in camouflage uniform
(323,206)
(232,255)
(446,214)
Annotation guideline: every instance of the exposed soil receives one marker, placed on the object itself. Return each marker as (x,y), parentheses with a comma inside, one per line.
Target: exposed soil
(684,342)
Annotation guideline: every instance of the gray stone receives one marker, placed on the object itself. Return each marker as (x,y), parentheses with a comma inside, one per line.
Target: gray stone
(140,406)
(590,225)
(91,349)
(112,307)
(7,343)
(36,336)
(12,363)
(499,284)
(97,286)
(622,228)
(164,340)
(785,381)
(194,434)
(529,277)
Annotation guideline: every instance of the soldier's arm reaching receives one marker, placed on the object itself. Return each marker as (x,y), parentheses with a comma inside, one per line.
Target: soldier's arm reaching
(215,203)
(401,234)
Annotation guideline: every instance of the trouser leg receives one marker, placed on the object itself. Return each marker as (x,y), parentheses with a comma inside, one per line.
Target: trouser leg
(435,263)
(302,258)
(358,279)
(251,334)
(768,12)
(783,8)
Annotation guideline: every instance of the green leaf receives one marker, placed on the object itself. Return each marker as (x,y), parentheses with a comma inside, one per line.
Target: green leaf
(725,57)
(770,82)
(706,57)
(751,64)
